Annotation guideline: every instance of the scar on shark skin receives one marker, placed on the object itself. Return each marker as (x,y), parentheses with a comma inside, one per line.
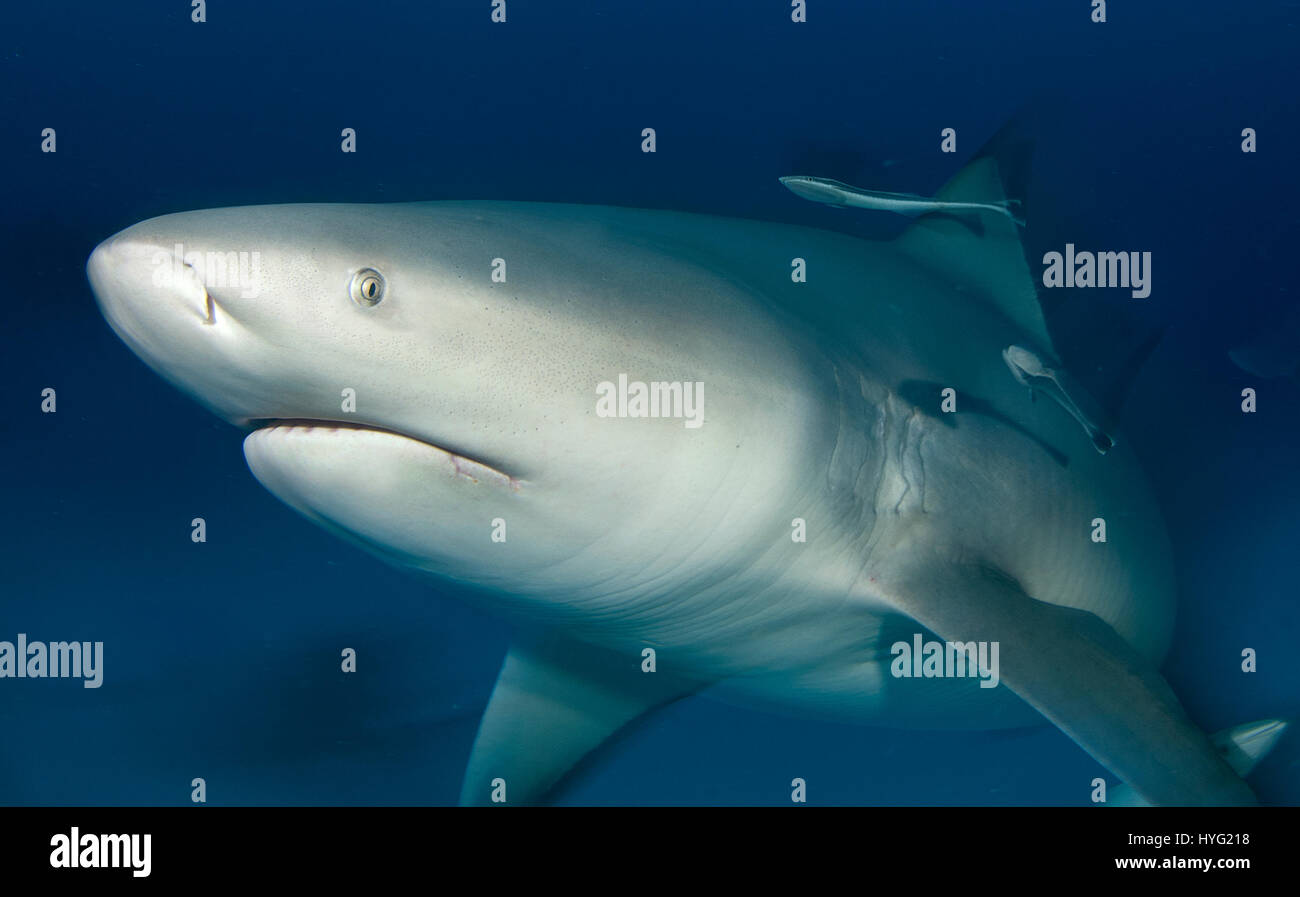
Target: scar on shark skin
(472,470)
(923,394)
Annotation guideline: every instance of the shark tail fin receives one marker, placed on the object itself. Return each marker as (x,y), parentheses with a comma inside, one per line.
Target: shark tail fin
(1246,745)
(984,248)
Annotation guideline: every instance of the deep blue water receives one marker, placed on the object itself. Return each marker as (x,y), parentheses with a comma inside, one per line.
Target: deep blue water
(222,658)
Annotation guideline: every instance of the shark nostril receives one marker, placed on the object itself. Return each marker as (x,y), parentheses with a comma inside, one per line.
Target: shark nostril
(194,276)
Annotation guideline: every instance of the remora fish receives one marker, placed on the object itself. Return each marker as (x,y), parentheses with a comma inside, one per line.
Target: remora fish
(840,195)
(476,409)
(1031,371)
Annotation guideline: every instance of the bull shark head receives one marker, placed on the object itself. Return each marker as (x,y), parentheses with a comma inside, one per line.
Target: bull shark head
(403,396)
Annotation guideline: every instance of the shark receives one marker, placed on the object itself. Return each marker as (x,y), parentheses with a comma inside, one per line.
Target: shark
(423,379)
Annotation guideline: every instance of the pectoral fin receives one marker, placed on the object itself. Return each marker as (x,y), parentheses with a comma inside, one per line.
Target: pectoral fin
(1074,669)
(555,701)
(1242,747)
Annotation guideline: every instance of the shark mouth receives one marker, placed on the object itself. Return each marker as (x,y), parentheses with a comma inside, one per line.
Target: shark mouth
(473,469)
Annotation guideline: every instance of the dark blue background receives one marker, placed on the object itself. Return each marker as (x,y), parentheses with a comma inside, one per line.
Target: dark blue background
(222,659)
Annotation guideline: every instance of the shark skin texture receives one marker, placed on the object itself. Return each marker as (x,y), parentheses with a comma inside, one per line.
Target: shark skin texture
(476,411)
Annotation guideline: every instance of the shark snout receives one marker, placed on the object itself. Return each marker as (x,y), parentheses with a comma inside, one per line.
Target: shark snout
(142,283)
(164,310)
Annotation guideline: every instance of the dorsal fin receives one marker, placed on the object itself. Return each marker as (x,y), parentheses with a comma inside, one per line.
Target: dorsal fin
(982,250)
(1120,379)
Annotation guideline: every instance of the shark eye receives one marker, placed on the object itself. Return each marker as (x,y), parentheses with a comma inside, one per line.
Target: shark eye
(367,287)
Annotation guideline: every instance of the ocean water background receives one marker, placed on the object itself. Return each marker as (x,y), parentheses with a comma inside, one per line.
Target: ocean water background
(222,659)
